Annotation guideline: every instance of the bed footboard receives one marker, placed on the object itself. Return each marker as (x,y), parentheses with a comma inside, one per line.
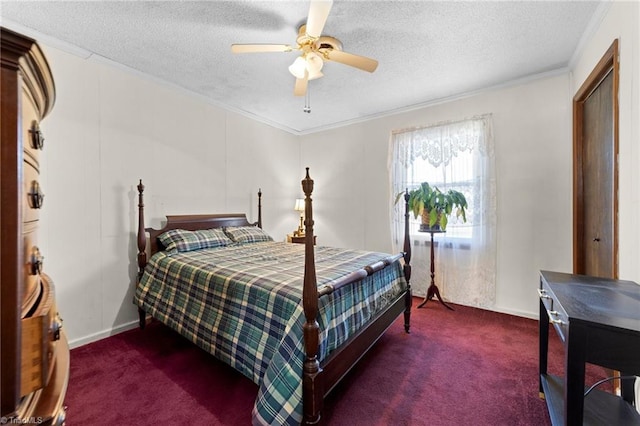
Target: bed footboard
(317,382)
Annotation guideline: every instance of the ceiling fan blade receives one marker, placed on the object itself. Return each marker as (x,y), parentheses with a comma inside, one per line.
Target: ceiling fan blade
(361,62)
(300,89)
(256,48)
(318,13)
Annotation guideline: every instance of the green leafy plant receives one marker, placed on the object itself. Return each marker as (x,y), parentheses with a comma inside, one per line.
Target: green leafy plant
(435,206)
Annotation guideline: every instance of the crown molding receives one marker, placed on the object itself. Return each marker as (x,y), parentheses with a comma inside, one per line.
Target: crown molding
(440,101)
(590,31)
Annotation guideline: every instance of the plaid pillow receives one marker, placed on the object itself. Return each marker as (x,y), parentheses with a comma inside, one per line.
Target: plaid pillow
(247,234)
(183,240)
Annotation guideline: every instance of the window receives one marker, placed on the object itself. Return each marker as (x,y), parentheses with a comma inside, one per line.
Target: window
(457,175)
(454,155)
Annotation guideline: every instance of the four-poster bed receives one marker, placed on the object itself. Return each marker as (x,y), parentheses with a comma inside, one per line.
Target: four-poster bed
(292,318)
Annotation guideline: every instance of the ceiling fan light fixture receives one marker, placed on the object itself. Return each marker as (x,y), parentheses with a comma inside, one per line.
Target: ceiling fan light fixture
(314,47)
(314,75)
(314,62)
(311,62)
(298,67)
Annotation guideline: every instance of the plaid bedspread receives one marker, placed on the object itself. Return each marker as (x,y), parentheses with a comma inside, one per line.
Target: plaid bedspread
(243,304)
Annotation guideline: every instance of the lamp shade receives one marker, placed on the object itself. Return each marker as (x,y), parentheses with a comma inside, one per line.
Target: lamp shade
(314,63)
(299,205)
(311,62)
(314,75)
(298,67)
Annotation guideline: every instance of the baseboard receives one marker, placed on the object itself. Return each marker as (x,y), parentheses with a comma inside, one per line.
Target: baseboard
(133,324)
(524,314)
(75,343)
(514,312)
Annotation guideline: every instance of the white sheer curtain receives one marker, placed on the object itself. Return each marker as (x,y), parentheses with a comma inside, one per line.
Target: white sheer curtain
(453,155)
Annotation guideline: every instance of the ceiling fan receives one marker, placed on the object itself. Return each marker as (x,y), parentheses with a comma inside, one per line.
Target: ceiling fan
(315,49)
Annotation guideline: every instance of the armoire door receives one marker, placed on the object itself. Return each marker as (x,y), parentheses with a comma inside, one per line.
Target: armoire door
(595,124)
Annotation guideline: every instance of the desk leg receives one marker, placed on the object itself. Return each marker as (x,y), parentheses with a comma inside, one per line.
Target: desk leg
(575,357)
(627,388)
(544,344)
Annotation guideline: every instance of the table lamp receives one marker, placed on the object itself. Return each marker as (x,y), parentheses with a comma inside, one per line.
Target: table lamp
(299,207)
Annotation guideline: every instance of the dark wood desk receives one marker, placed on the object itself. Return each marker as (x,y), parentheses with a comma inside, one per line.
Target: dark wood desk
(433,288)
(598,322)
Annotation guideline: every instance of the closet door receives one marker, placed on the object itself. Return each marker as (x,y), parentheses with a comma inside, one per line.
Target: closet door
(595,170)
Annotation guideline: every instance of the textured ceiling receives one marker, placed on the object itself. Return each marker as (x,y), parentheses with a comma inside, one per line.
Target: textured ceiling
(427,50)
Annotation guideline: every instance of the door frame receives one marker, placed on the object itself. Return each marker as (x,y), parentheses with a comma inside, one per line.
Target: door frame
(608,63)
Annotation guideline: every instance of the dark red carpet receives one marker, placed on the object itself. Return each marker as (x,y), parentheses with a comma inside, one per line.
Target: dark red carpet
(462,367)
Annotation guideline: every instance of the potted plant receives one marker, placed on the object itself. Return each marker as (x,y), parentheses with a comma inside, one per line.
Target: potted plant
(435,206)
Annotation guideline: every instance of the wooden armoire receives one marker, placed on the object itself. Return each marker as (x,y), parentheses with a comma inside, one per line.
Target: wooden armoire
(34,353)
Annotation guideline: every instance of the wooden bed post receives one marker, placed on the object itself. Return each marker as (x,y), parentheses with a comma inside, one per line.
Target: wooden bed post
(142,246)
(312,392)
(259,207)
(407,264)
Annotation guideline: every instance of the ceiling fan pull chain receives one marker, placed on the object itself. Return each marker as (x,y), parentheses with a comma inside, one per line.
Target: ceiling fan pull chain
(307,102)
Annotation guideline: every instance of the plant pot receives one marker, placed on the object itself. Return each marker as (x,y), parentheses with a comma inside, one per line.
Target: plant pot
(424,226)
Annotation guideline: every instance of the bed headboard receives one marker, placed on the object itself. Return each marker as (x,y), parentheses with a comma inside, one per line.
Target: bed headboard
(194,223)
(189,222)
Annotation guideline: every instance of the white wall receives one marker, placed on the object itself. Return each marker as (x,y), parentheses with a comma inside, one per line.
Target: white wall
(531,123)
(109,128)
(621,22)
